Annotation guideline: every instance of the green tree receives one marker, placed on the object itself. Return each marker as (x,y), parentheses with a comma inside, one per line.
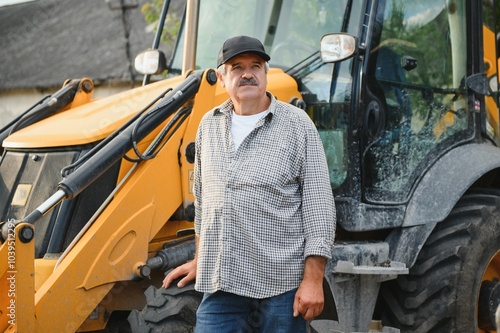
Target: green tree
(152,11)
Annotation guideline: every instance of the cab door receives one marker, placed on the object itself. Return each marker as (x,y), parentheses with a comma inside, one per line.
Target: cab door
(415,103)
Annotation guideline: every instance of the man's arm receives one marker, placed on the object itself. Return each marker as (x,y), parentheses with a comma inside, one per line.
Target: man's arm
(309,299)
(188,270)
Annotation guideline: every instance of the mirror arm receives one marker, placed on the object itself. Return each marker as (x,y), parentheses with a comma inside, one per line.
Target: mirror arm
(147,77)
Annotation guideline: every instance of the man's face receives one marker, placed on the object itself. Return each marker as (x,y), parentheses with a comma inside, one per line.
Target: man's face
(245,78)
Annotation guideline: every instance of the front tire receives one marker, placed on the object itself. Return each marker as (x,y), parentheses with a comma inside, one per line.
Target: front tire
(441,291)
(171,310)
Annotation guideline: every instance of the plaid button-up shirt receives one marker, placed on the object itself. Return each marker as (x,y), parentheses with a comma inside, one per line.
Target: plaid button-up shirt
(260,210)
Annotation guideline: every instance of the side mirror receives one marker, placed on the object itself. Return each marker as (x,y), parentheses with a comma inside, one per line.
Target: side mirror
(494,92)
(408,63)
(337,46)
(493,83)
(150,62)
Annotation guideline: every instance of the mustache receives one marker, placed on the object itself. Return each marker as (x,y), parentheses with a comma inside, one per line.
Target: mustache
(244,82)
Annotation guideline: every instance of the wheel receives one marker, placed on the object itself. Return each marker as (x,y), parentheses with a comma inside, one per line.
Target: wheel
(171,310)
(117,323)
(441,293)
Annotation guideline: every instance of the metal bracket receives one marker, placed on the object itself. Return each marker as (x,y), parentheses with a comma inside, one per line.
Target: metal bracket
(478,83)
(354,275)
(391,268)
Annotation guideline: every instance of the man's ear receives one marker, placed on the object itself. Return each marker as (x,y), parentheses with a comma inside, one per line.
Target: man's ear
(220,78)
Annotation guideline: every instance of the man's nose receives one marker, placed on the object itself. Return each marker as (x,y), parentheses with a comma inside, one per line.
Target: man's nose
(247,73)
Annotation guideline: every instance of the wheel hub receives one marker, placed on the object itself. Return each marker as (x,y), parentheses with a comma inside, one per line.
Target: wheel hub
(489,299)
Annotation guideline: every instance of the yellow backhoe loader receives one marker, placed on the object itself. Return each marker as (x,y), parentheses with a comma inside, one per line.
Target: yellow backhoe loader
(95,194)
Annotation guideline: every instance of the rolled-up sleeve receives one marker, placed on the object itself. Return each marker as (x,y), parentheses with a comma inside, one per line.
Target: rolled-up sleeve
(318,206)
(197,183)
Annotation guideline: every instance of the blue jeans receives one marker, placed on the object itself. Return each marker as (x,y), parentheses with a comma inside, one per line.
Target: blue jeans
(223,312)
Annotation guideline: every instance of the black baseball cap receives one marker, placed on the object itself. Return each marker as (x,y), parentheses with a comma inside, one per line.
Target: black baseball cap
(238,45)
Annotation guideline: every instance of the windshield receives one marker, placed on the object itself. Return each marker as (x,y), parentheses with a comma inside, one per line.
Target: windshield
(289,29)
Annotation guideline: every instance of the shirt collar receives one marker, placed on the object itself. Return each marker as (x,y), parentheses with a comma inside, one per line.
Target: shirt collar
(227,107)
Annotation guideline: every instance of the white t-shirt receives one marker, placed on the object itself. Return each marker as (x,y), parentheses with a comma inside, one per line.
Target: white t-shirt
(241,126)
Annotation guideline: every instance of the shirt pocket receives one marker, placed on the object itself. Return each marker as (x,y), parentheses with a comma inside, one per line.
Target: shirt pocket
(271,164)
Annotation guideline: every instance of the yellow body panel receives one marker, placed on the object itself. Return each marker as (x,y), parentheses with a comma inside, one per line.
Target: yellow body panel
(114,245)
(89,122)
(43,269)
(17,283)
(491,64)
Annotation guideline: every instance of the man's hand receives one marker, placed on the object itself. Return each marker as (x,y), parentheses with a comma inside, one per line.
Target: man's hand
(309,299)
(188,270)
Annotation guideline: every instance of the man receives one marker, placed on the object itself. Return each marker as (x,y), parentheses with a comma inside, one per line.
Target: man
(265,215)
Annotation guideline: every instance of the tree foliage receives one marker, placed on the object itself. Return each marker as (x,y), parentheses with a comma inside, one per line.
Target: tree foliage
(152,12)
